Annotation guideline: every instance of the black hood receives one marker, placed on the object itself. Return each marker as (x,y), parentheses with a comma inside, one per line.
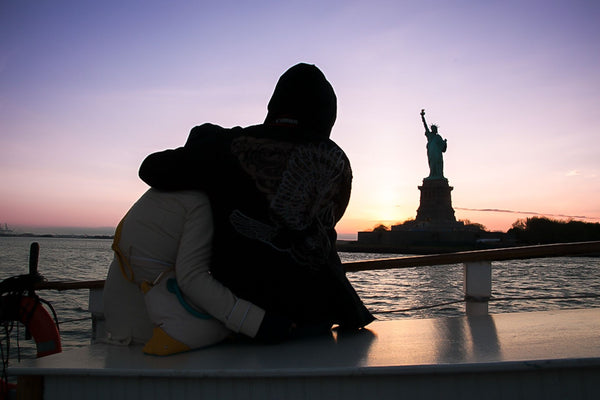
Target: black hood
(303,94)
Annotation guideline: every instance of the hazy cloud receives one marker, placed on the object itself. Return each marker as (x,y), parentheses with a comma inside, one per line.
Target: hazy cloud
(525,212)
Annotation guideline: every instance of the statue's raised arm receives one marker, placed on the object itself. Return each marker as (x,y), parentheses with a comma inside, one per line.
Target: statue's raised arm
(423,119)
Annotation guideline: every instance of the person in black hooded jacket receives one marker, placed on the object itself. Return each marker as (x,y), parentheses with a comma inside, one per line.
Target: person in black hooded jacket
(277,191)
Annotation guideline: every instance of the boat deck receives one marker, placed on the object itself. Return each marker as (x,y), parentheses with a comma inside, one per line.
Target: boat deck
(546,355)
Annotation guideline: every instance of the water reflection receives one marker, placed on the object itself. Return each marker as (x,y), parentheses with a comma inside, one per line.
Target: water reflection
(523,282)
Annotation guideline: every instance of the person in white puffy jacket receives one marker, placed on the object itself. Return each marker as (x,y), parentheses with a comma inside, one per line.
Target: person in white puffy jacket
(159,290)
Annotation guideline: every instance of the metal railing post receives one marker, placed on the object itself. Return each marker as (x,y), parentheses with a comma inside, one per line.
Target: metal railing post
(477,287)
(34,254)
(96,308)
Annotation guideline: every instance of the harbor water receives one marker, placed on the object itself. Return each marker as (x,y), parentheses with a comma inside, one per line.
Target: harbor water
(423,292)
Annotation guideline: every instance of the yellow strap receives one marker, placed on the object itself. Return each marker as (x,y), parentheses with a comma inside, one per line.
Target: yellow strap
(163,344)
(123,262)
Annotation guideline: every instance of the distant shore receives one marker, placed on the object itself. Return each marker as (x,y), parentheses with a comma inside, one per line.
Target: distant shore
(348,246)
(58,236)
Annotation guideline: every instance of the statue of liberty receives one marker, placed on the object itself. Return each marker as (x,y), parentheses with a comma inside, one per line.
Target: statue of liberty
(435,147)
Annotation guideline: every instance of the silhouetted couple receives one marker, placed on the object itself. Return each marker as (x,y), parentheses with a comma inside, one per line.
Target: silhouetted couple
(239,228)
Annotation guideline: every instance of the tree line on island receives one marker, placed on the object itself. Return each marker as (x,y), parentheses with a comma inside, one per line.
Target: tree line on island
(545,230)
(540,230)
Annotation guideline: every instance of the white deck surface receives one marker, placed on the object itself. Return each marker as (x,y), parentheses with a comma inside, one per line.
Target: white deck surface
(501,343)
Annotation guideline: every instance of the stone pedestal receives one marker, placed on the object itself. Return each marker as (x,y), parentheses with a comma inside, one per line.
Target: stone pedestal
(436,203)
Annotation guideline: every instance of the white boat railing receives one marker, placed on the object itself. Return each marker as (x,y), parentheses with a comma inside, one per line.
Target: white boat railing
(477,267)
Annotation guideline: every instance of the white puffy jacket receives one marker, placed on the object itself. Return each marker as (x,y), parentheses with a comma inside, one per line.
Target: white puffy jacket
(161,232)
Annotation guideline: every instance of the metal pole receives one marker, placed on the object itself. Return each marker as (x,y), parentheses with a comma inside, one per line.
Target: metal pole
(34,254)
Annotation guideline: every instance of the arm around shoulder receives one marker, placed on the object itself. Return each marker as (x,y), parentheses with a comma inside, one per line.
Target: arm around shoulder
(166,170)
(189,167)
